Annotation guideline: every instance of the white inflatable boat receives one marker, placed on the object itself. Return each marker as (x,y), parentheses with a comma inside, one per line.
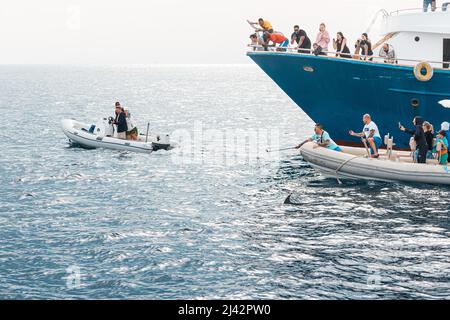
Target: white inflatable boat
(354,163)
(103,135)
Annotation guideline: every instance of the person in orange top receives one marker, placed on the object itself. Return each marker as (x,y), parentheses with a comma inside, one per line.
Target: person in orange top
(278,38)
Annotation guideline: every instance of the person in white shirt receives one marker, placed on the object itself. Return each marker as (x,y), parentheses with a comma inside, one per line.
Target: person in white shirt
(370,134)
(132,132)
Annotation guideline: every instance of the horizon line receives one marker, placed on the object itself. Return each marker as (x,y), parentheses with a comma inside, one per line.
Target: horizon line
(136,65)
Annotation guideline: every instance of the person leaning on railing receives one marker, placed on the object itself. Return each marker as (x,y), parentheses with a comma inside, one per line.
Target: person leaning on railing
(265,26)
(340,45)
(258,43)
(301,38)
(278,38)
(322,41)
(365,45)
(388,53)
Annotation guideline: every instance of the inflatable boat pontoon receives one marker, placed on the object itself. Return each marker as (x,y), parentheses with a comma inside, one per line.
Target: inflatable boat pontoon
(102,136)
(354,163)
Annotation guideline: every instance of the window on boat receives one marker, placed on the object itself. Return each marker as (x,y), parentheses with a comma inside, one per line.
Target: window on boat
(446,53)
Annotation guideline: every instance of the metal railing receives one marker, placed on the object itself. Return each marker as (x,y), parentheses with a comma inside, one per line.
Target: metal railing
(359,57)
(445,8)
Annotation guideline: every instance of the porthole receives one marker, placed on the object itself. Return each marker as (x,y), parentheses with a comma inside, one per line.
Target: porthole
(417,39)
(415,103)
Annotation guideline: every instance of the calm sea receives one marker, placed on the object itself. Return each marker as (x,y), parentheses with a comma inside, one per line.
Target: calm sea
(188,223)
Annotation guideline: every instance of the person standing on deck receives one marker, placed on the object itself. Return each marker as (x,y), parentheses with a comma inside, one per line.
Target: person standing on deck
(429,137)
(419,138)
(132,131)
(427,3)
(321,138)
(301,38)
(121,122)
(371,134)
(322,41)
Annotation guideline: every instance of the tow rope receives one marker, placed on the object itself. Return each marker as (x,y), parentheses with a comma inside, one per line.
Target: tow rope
(343,164)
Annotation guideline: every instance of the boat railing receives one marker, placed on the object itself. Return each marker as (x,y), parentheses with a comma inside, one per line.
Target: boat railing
(336,55)
(445,7)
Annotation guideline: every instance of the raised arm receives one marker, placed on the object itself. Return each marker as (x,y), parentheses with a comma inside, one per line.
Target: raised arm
(411,132)
(354,134)
(301,144)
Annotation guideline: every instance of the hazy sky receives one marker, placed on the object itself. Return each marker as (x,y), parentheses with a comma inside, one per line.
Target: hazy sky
(165,31)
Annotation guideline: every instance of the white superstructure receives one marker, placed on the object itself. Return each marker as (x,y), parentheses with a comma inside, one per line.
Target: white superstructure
(419,36)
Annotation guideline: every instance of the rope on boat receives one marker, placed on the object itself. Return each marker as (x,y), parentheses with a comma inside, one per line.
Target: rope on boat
(343,164)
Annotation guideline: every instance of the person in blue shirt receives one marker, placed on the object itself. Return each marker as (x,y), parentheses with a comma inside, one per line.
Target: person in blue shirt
(321,138)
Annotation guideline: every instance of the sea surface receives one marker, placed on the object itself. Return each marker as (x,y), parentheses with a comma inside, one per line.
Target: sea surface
(187,223)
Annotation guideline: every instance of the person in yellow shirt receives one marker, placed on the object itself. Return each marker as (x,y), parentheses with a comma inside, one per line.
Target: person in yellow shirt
(265,26)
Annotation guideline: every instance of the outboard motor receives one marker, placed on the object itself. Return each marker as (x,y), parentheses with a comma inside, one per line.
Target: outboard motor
(163,139)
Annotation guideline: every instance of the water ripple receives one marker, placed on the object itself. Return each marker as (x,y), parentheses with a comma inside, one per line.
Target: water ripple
(139,226)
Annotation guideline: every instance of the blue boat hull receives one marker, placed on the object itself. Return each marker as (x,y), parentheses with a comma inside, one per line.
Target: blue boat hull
(337,92)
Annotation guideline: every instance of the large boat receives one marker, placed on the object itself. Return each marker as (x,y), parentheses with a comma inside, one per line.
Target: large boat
(336,92)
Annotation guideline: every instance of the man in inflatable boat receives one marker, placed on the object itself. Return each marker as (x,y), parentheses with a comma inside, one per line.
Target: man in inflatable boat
(321,138)
(121,122)
(125,129)
(370,134)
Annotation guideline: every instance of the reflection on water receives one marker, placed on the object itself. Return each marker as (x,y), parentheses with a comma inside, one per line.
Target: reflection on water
(81,223)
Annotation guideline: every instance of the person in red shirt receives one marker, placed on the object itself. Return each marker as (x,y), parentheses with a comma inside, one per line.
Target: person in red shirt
(277,38)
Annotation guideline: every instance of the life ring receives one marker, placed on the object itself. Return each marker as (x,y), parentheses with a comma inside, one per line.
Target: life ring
(418,71)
